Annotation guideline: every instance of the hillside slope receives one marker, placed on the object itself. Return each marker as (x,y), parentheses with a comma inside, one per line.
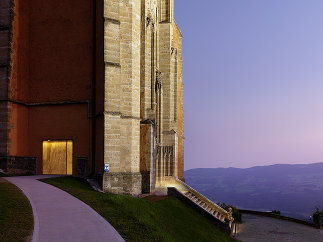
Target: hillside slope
(138,219)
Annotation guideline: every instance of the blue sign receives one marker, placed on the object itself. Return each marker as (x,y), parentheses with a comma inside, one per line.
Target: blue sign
(106,167)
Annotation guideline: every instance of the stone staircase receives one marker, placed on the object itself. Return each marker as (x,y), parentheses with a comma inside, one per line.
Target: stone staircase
(207,207)
(218,213)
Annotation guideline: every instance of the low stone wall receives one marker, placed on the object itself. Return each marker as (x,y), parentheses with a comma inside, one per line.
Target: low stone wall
(17,165)
(272,215)
(123,183)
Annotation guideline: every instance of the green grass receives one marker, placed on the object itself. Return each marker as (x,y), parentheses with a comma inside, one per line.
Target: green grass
(3,175)
(10,175)
(16,218)
(141,220)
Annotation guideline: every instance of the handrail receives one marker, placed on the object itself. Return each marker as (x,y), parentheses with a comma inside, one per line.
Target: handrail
(213,205)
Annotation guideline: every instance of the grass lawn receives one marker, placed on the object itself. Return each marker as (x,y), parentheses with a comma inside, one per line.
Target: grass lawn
(16,217)
(9,175)
(138,219)
(3,175)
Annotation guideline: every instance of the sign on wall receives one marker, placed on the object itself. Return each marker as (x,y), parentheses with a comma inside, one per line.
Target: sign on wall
(106,167)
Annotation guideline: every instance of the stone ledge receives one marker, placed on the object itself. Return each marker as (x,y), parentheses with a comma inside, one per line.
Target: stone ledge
(17,165)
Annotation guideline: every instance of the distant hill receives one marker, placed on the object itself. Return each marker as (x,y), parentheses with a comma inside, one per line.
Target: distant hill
(293,189)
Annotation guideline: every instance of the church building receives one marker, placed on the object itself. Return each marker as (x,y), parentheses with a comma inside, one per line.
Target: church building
(92,88)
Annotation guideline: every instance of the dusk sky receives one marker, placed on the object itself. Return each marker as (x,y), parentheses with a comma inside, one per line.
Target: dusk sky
(253,81)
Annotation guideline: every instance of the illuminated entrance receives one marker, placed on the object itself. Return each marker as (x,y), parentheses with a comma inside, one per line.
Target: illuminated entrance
(58,157)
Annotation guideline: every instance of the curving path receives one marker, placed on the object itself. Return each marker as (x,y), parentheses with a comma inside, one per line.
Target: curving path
(258,228)
(58,216)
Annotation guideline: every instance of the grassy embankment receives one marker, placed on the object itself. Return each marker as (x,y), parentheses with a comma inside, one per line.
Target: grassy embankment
(142,220)
(16,217)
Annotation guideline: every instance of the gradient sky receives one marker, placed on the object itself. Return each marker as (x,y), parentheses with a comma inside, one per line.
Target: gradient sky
(253,81)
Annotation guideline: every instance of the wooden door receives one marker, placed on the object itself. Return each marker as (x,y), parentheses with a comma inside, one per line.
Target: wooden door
(57,157)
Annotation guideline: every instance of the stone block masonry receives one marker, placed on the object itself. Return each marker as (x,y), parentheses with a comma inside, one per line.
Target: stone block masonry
(5,35)
(122,96)
(18,165)
(143,87)
(123,183)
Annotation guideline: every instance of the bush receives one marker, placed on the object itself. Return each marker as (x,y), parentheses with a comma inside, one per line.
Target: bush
(235,212)
(316,215)
(277,212)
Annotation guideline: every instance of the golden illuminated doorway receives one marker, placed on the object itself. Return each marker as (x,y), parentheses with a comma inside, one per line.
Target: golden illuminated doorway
(58,157)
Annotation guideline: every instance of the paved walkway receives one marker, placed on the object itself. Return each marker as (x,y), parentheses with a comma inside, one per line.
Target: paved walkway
(59,216)
(258,229)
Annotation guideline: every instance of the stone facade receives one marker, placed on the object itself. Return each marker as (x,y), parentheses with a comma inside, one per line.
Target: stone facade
(143,95)
(18,165)
(5,39)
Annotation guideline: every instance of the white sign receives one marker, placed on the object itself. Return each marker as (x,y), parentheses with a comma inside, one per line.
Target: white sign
(106,167)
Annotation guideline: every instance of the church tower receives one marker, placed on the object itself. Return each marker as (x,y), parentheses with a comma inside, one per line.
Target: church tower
(143,132)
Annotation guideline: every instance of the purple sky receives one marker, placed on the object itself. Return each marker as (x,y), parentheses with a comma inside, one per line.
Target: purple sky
(253,81)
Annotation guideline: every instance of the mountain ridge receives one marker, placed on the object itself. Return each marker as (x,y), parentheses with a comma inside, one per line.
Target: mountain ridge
(293,189)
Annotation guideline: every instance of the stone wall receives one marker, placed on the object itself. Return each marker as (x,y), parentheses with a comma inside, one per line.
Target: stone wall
(122,96)
(166,10)
(5,42)
(17,165)
(177,42)
(143,94)
(170,51)
(123,183)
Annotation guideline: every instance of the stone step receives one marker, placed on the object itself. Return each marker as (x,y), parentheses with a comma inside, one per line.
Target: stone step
(189,194)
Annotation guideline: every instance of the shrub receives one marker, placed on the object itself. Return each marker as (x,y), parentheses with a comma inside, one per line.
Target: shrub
(277,212)
(235,212)
(316,215)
